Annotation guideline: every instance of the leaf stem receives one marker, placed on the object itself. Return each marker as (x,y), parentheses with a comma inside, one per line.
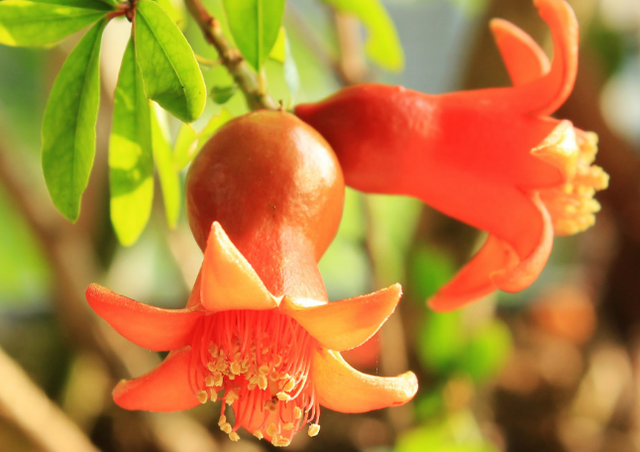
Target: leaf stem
(231,58)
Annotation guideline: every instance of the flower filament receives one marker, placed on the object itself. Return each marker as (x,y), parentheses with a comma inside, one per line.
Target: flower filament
(257,362)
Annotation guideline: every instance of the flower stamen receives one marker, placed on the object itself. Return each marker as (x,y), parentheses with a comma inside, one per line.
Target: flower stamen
(257,373)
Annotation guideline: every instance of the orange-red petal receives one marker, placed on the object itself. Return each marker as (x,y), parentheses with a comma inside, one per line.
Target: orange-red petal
(340,387)
(166,388)
(523,57)
(147,326)
(228,281)
(543,96)
(474,281)
(345,324)
(515,279)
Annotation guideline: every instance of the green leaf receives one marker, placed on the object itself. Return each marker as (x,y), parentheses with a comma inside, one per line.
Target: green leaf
(382,45)
(442,341)
(27,24)
(186,147)
(68,127)
(169,177)
(254,25)
(175,11)
(214,124)
(278,53)
(130,153)
(171,74)
(487,352)
(222,94)
(291,74)
(106,5)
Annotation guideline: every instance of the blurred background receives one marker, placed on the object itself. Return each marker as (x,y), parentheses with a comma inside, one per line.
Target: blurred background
(554,368)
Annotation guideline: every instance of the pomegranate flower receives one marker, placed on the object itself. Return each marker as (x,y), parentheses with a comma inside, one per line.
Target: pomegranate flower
(274,359)
(492,158)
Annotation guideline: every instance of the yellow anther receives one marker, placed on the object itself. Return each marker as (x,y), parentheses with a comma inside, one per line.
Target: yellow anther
(233,436)
(230,397)
(278,361)
(211,366)
(221,365)
(314,429)
(264,370)
(297,412)
(265,350)
(226,427)
(214,395)
(218,379)
(222,420)
(213,349)
(272,429)
(280,441)
(236,368)
(209,380)
(283,396)
(258,434)
(290,385)
(202,396)
(263,383)
(288,426)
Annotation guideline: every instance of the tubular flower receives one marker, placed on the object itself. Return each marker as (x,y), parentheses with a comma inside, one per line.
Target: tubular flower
(273,359)
(492,158)
(258,333)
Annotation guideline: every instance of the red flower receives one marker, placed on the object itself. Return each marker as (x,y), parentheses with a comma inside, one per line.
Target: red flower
(492,158)
(273,359)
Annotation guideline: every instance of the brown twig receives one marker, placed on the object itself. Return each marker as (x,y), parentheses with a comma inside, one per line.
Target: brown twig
(231,58)
(26,404)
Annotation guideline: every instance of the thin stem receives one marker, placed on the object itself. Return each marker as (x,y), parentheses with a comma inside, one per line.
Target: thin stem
(27,405)
(231,58)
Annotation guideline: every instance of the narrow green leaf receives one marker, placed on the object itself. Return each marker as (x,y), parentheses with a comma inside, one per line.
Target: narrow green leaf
(221,94)
(254,25)
(68,127)
(278,52)
(291,74)
(106,5)
(29,24)
(175,11)
(382,45)
(171,74)
(185,147)
(214,124)
(130,153)
(169,177)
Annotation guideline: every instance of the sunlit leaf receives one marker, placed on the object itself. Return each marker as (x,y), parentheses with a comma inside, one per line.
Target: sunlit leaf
(171,74)
(441,437)
(429,269)
(106,5)
(254,25)
(175,11)
(291,74)
(442,341)
(221,94)
(278,53)
(185,148)
(130,153)
(25,23)
(169,177)
(68,127)
(487,351)
(382,44)
(214,124)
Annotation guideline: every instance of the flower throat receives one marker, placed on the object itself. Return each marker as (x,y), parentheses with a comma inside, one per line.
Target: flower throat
(258,362)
